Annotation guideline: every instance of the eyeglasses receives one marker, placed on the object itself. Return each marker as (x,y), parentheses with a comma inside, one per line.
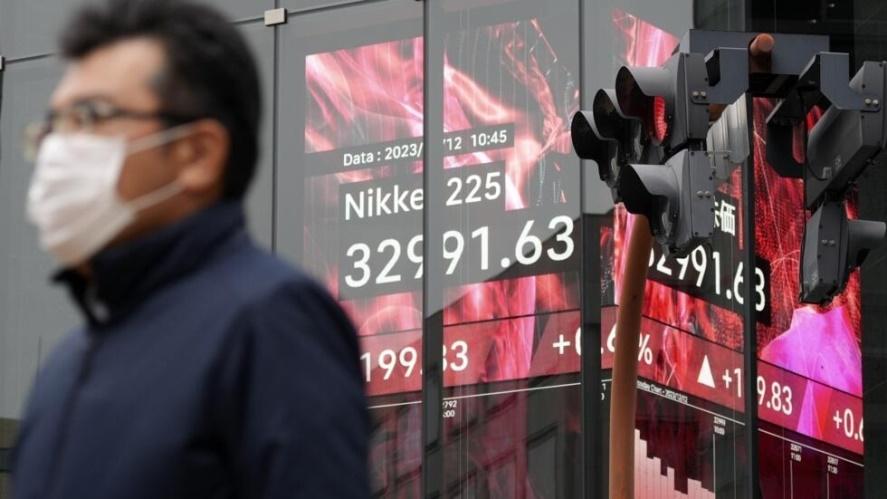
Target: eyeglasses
(85,117)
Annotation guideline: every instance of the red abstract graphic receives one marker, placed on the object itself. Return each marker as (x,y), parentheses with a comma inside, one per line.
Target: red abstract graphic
(645,44)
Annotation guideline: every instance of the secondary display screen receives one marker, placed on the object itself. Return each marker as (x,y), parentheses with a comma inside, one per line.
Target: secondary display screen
(809,382)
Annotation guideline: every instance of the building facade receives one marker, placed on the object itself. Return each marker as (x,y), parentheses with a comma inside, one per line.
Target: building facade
(391,122)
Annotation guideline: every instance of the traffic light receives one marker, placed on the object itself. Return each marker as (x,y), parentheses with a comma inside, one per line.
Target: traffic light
(833,247)
(728,139)
(677,198)
(848,138)
(648,138)
(607,136)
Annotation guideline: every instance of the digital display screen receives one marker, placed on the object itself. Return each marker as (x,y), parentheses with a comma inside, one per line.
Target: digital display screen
(510,250)
(511,280)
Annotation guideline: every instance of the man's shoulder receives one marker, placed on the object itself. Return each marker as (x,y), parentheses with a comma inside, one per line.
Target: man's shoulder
(70,347)
(279,304)
(60,367)
(253,282)
(253,274)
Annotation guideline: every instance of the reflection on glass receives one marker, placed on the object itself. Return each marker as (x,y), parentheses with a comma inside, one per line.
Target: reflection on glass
(810,376)
(689,430)
(509,281)
(510,273)
(691,394)
(362,211)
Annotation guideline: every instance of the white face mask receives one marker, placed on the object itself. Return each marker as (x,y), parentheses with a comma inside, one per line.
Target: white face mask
(73,197)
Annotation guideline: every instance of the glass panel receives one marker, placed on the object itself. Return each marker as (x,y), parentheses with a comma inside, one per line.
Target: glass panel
(30,28)
(809,369)
(33,315)
(504,213)
(813,352)
(870,44)
(237,9)
(810,376)
(689,429)
(305,5)
(689,421)
(350,201)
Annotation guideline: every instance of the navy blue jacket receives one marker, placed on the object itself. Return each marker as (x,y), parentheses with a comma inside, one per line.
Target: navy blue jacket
(206,368)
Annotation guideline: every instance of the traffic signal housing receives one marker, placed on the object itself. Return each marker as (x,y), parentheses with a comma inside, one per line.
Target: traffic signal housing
(677,198)
(648,138)
(607,136)
(846,139)
(849,137)
(833,246)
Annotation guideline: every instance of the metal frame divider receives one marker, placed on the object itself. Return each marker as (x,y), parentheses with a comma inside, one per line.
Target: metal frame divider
(590,302)
(432,296)
(749,315)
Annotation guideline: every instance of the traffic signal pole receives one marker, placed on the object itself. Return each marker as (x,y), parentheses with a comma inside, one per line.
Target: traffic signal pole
(623,401)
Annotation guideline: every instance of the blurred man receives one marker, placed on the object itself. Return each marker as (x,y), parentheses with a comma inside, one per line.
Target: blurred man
(205,367)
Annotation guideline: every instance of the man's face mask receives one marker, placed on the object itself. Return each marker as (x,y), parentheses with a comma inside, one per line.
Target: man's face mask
(73,197)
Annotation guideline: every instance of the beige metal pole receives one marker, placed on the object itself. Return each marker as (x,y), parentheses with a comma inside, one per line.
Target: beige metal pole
(623,393)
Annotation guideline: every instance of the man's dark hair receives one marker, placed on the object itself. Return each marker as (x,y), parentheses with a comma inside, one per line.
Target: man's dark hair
(210,71)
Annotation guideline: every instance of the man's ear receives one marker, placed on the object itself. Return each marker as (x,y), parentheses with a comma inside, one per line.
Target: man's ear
(202,156)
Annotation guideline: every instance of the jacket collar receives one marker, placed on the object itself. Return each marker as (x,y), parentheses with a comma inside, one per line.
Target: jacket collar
(123,276)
